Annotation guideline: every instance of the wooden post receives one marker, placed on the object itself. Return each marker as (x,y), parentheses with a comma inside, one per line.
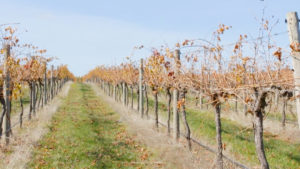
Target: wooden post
(6,91)
(31,100)
(34,98)
(201,100)
(45,84)
(127,96)
(49,87)
(147,101)
(141,93)
(131,89)
(52,84)
(115,94)
(244,93)
(176,132)
(138,99)
(108,89)
(294,36)
(236,104)
(124,93)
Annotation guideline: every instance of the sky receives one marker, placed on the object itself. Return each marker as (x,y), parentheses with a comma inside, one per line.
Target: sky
(86,33)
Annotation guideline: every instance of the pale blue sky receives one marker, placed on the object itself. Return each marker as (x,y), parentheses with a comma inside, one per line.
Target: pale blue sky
(87,33)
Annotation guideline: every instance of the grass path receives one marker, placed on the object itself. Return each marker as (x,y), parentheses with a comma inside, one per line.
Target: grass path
(172,154)
(85,133)
(91,130)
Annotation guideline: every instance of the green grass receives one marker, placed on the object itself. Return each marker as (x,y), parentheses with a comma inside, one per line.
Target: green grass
(240,140)
(278,117)
(85,133)
(280,154)
(16,106)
